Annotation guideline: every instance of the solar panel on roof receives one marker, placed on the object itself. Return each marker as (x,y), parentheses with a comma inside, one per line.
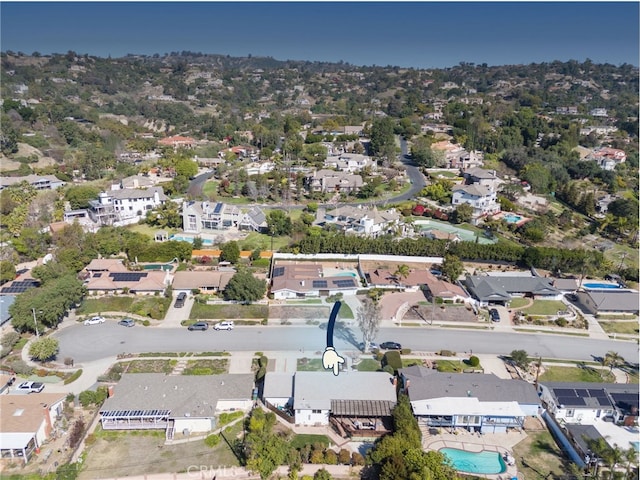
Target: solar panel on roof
(344,283)
(564,392)
(597,393)
(604,402)
(278,272)
(127,276)
(572,401)
(581,392)
(319,284)
(218,207)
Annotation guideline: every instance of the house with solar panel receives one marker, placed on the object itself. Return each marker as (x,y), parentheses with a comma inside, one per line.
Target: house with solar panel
(181,405)
(307,280)
(254,220)
(199,217)
(110,275)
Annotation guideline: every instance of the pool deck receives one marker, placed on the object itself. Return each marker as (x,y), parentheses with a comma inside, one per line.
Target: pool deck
(473,442)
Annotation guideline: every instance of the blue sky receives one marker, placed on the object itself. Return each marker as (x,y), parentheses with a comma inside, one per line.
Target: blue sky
(407,34)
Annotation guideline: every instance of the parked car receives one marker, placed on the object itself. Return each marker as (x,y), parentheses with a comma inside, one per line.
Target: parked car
(372,346)
(94,320)
(30,387)
(199,326)
(391,346)
(180,300)
(494,314)
(228,325)
(127,322)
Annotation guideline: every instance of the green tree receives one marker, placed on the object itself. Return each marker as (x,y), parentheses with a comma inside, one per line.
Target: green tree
(369,318)
(520,358)
(613,359)
(382,136)
(186,168)
(244,287)
(44,349)
(78,196)
(7,271)
(452,267)
(279,223)
(463,213)
(230,252)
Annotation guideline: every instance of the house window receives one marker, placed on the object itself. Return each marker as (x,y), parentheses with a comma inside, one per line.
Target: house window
(317,411)
(570,413)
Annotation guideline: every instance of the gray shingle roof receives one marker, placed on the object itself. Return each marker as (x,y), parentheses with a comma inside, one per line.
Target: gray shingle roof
(486,287)
(183,395)
(426,384)
(615,301)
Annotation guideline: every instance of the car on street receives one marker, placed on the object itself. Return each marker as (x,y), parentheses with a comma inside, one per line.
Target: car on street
(30,387)
(127,322)
(372,346)
(390,346)
(199,326)
(94,320)
(223,326)
(494,314)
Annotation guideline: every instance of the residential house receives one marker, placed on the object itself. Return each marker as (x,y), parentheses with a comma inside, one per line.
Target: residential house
(613,301)
(125,206)
(330,181)
(607,158)
(480,176)
(467,160)
(599,130)
(572,110)
(501,289)
(39,182)
(277,391)
(357,400)
(303,280)
(480,403)
(349,162)
(260,168)
(108,276)
(5,302)
(134,181)
(363,221)
(482,199)
(177,141)
(177,404)
(198,217)
(209,281)
(598,112)
(27,422)
(254,220)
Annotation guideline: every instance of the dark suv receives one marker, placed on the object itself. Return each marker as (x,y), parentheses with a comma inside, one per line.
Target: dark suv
(390,346)
(199,326)
(495,315)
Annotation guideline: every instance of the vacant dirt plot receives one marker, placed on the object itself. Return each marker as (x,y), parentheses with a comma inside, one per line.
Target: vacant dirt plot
(136,453)
(310,313)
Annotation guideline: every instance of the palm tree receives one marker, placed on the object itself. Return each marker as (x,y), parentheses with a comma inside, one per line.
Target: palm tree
(613,359)
(402,272)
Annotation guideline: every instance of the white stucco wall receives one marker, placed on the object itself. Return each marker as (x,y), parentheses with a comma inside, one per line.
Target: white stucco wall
(194,424)
(233,405)
(307,417)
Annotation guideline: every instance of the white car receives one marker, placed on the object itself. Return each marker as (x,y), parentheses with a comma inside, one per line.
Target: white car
(223,326)
(30,387)
(94,320)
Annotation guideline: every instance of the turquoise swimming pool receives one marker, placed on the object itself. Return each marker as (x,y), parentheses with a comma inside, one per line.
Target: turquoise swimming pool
(181,238)
(485,462)
(345,274)
(511,218)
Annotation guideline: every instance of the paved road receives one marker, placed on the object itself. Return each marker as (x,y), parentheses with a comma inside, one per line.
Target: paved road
(195,185)
(85,344)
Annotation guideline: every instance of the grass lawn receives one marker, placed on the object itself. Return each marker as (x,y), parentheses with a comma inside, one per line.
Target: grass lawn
(545,307)
(368,365)
(576,374)
(149,366)
(149,230)
(302,439)
(518,302)
(538,455)
(202,311)
(210,187)
(345,312)
(309,365)
(263,241)
(620,327)
(152,307)
(450,366)
(206,367)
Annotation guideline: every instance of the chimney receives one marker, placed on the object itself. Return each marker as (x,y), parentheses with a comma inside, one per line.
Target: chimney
(110,391)
(47,420)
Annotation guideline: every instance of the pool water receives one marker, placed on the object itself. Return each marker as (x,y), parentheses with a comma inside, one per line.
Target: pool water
(345,274)
(600,285)
(158,267)
(511,218)
(487,463)
(180,238)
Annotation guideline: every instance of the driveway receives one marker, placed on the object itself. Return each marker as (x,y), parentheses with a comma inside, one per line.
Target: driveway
(174,315)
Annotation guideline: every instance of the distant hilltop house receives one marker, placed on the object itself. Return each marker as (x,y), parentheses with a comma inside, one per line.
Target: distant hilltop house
(123,206)
(39,182)
(607,158)
(177,141)
(330,181)
(598,130)
(199,217)
(572,110)
(363,221)
(598,112)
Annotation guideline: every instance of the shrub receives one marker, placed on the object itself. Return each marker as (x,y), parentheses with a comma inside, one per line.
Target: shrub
(20,367)
(212,440)
(73,377)
(357,459)
(263,361)
(344,457)
(4,351)
(146,323)
(317,456)
(9,339)
(392,359)
(405,351)
(330,457)
(474,361)
(77,432)
(562,322)
(446,353)
(87,398)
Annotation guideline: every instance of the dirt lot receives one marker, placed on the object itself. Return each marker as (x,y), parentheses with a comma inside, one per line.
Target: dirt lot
(136,453)
(313,312)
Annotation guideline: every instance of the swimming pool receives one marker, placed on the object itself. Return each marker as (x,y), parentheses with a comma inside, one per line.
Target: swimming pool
(345,274)
(511,218)
(600,285)
(180,238)
(485,462)
(159,266)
